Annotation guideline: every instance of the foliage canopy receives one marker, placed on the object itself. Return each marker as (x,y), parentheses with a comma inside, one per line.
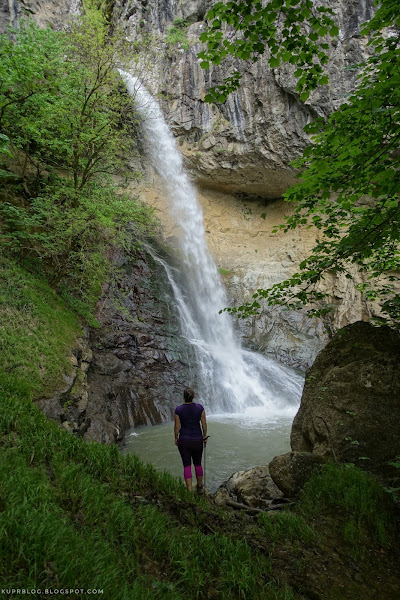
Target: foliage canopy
(290,31)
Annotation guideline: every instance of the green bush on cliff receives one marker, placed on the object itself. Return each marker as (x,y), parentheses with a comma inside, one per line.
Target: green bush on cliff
(69,127)
(71,246)
(176,34)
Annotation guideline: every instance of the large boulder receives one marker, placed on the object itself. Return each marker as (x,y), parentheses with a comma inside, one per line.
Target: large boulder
(350,406)
(291,471)
(254,487)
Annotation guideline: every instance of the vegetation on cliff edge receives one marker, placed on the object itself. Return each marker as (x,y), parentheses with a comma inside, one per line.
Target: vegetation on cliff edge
(349,176)
(67,131)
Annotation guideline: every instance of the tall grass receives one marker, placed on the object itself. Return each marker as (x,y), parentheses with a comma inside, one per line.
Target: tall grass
(362,505)
(286,526)
(70,516)
(37,331)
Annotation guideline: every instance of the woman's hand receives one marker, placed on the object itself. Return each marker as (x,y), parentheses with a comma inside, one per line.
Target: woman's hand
(177,428)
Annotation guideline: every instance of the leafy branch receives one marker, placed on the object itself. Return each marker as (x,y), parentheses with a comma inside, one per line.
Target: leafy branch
(289,31)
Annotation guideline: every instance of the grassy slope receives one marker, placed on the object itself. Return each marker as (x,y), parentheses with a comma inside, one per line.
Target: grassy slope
(77,514)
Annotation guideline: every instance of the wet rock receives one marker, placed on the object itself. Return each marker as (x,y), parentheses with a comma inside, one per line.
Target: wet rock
(221,496)
(140,363)
(351,395)
(254,487)
(109,364)
(120,376)
(291,471)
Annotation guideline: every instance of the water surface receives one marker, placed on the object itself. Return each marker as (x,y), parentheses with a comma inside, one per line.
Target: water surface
(237,442)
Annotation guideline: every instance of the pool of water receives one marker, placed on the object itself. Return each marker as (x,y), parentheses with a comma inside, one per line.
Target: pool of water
(237,442)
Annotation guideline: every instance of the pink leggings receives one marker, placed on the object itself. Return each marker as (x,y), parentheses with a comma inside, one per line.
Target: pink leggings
(191,450)
(187,471)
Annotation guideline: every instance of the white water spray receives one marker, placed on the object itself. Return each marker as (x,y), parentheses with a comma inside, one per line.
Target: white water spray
(231,380)
(75,8)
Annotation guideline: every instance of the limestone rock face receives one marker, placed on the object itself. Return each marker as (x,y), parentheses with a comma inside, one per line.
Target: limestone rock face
(45,12)
(254,488)
(351,400)
(249,257)
(291,471)
(246,144)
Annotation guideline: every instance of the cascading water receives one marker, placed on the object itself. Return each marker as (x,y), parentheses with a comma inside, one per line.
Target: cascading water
(231,380)
(75,8)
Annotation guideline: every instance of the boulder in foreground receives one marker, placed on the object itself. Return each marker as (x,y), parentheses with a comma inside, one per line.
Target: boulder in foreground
(350,406)
(254,488)
(291,471)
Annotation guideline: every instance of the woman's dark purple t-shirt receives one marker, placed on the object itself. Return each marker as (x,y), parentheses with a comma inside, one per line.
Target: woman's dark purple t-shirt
(189,416)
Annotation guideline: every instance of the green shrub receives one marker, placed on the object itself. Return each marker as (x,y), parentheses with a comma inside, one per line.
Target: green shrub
(67,130)
(176,34)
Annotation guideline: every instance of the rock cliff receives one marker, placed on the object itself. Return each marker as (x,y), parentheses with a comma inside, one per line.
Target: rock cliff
(238,154)
(247,143)
(132,369)
(44,12)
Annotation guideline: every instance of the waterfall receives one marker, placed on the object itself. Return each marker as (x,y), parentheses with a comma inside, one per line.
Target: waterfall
(231,379)
(75,8)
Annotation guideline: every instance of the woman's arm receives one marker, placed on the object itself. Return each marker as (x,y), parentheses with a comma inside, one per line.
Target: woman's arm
(204,423)
(177,427)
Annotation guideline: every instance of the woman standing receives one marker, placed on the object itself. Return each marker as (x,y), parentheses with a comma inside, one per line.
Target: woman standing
(190,437)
